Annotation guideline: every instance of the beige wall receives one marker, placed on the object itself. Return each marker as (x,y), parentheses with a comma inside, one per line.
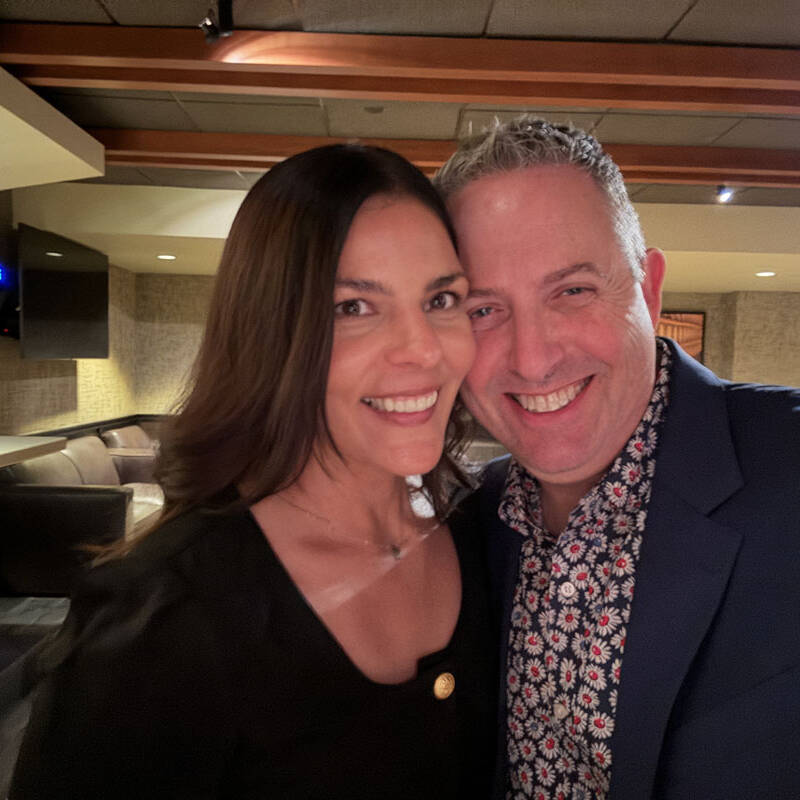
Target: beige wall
(170,313)
(750,336)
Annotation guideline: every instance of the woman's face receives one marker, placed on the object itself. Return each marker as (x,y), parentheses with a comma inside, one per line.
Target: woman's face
(402,343)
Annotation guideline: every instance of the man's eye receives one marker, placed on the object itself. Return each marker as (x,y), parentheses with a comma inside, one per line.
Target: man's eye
(351,308)
(573,290)
(480,312)
(444,301)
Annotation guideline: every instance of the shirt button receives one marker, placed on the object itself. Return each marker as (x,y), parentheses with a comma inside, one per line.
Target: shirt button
(567,589)
(561,710)
(444,685)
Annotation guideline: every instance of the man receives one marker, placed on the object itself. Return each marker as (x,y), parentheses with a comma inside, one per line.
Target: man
(644,538)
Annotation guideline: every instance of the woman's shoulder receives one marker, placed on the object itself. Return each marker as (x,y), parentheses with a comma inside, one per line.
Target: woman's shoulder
(202,554)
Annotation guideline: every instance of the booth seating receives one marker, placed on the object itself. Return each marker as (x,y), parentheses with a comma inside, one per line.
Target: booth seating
(86,494)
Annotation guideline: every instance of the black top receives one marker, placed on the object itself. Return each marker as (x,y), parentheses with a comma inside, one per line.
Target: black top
(194,668)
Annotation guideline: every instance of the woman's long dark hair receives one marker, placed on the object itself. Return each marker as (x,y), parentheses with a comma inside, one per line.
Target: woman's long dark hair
(256,401)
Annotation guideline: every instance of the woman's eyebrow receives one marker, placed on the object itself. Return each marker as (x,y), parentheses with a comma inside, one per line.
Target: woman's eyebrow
(445,280)
(366,285)
(362,285)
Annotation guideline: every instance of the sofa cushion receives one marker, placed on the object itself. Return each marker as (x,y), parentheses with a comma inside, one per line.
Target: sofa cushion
(92,460)
(55,469)
(129,436)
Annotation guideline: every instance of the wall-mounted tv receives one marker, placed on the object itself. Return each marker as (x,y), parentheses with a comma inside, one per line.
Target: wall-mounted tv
(63,293)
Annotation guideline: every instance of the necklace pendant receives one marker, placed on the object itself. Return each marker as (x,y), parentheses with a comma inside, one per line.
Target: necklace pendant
(396,551)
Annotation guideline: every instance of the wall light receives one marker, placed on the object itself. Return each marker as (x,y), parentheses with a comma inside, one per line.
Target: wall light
(765,274)
(54,254)
(724,194)
(166,257)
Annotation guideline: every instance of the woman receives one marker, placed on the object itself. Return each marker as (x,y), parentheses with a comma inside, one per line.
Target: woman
(293,628)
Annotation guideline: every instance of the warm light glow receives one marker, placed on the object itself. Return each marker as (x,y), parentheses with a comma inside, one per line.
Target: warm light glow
(765,274)
(54,254)
(166,257)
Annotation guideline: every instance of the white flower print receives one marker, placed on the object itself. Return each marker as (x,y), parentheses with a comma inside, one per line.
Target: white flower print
(568,619)
(566,647)
(595,678)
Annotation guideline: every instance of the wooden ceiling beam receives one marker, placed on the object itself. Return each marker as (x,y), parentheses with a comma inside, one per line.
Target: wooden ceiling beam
(590,95)
(607,74)
(639,163)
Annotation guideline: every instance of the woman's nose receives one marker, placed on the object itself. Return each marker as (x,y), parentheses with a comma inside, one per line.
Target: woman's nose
(415,341)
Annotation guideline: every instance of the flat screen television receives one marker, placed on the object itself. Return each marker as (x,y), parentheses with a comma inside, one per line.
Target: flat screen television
(63,296)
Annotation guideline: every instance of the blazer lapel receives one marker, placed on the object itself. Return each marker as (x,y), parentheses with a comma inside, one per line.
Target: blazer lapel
(680,581)
(682,574)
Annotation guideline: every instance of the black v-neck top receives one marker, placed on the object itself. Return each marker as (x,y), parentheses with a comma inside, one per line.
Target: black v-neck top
(194,668)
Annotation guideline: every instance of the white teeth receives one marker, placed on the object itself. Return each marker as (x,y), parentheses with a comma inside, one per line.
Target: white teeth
(539,403)
(402,405)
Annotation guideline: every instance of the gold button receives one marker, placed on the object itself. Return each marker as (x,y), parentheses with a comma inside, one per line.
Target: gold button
(444,685)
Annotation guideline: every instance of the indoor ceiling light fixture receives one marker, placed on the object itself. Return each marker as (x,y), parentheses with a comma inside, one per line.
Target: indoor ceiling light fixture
(765,274)
(724,194)
(54,254)
(222,26)
(166,257)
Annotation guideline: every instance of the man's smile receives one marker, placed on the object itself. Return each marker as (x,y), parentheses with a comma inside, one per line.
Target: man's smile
(542,403)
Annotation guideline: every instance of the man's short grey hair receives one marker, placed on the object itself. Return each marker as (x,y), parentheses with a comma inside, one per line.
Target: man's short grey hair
(532,142)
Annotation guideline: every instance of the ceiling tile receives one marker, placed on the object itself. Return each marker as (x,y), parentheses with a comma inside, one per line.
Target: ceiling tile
(75,90)
(122,112)
(121,175)
(291,120)
(88,11)
(781,134)
(676,193)
(272,14)
(769,22)
(585,19)
(667,129)
(475,118)
(195,178)
(256,99)
(431,17)
(392,119)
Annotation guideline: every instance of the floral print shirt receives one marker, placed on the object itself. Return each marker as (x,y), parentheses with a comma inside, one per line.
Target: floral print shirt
(571,608)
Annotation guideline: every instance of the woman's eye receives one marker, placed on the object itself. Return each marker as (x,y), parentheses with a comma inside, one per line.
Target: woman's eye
(444,301)
(351,308)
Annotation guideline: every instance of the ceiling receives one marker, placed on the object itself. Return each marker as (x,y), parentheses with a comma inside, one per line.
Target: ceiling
(685,94)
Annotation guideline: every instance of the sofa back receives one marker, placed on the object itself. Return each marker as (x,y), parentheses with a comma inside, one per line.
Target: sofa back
(55,469)
(92,461)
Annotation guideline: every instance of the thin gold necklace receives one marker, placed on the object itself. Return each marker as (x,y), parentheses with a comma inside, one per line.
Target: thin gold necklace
(395,549)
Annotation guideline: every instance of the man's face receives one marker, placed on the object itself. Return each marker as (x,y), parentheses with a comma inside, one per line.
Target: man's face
(566,353)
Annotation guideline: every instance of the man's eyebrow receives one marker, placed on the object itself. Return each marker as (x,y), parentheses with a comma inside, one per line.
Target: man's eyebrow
(483,293)
(583,266)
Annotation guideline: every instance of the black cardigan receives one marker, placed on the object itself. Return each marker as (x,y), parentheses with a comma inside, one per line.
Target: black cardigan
(194,668)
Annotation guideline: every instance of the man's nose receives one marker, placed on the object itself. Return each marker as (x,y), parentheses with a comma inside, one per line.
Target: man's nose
(414,341)
(536,347)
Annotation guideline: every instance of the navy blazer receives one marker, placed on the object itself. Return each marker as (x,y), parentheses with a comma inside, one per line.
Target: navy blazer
(709,698)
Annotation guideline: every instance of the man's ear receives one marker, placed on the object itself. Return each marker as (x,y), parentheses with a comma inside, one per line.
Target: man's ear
(654,265)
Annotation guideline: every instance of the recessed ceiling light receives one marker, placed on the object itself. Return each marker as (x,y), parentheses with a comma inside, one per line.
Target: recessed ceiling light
(724,194)
(166,257)
(765,274)
(54,254)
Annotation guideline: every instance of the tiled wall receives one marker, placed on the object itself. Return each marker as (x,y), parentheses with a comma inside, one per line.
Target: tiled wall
(170,313)
(750,336)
